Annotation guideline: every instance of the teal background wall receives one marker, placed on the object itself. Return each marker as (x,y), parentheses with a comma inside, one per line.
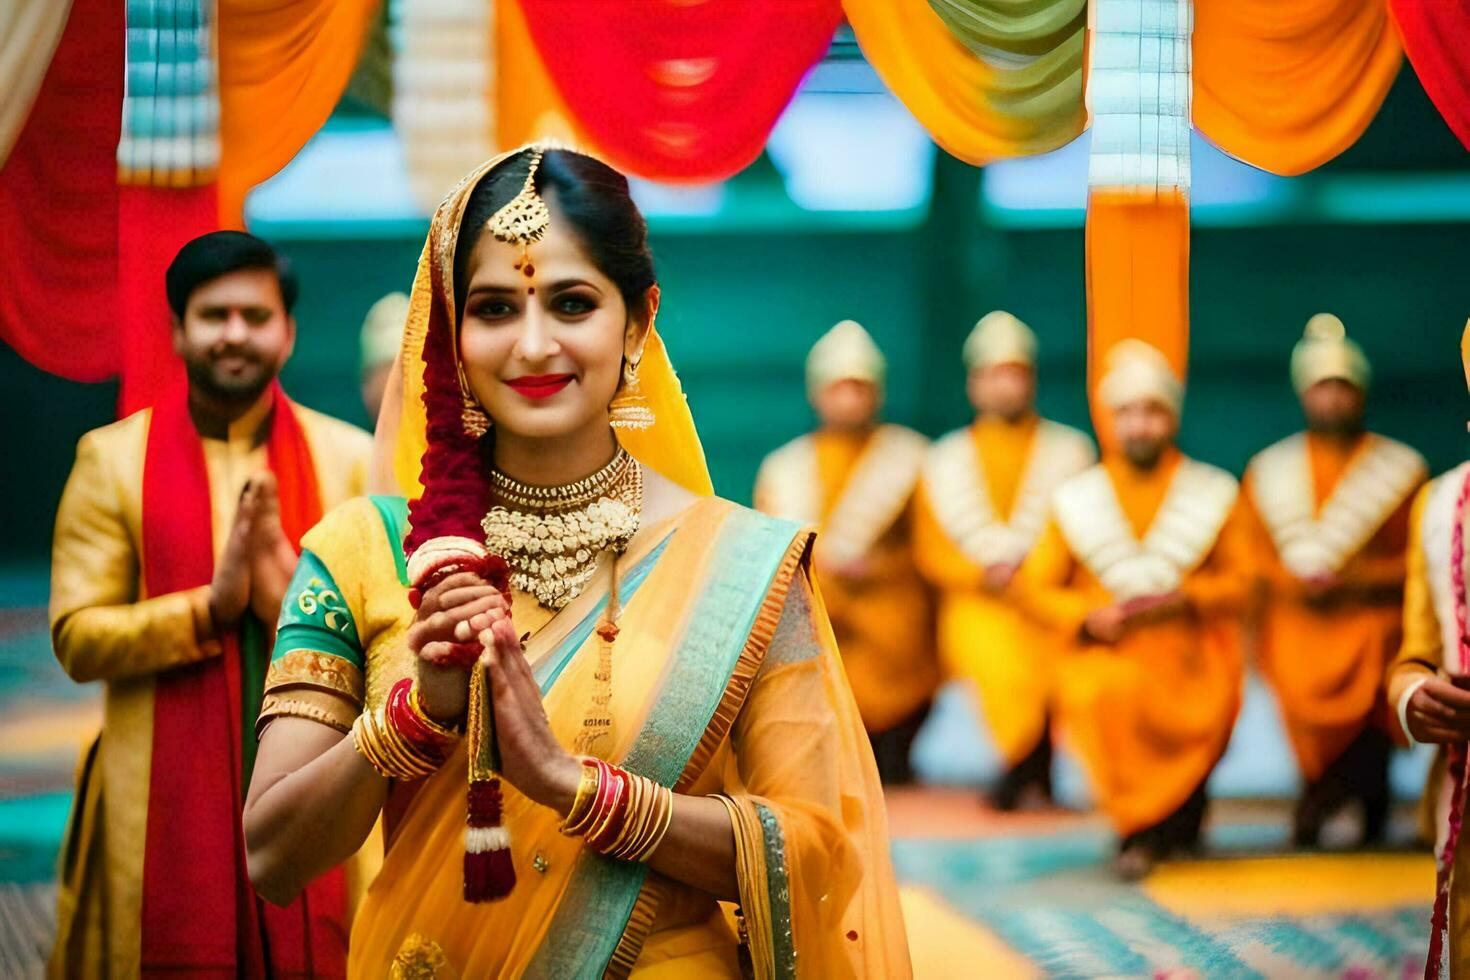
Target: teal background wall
(743,304)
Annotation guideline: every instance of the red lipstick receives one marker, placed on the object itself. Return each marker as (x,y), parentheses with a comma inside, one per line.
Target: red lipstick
(538,386)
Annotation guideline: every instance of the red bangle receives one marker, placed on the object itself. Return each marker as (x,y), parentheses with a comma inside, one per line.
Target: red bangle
(399,713)
(611,820)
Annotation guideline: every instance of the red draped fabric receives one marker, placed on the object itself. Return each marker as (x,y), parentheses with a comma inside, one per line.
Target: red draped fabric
(200,913)
(676,91)
(59,206)
(1436,35)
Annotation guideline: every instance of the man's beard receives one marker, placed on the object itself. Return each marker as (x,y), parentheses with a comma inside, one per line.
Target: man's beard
(1144,455)
(245,389)
(1338,428)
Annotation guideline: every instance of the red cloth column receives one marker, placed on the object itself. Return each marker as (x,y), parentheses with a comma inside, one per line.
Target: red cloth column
(1436,35)
(59,208)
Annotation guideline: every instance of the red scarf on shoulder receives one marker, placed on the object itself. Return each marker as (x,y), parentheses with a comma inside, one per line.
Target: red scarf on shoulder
(200,913)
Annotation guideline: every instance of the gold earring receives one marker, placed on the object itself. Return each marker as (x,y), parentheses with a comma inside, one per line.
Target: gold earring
(629,408)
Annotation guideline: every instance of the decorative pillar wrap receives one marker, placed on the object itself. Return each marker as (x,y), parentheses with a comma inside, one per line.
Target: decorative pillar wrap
(170,118)
(1138,94)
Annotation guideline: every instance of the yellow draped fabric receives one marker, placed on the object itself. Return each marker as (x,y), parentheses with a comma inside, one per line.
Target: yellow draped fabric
(282,68)
(1007,81)
(1288,86)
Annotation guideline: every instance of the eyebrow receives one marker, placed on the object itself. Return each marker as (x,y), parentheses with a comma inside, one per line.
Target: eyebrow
(500,289)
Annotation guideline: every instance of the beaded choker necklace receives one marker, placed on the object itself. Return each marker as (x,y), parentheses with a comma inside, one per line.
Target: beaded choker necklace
(552,536)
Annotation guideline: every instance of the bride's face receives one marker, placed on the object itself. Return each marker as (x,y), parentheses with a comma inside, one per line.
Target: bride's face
(543,353)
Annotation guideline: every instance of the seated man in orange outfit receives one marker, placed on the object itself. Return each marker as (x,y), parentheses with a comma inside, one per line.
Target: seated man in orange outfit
(1332,509)
(1143,571)
(984,499)
(855,479)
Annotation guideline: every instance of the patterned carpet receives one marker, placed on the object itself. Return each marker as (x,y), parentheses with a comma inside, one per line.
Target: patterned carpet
(985,895)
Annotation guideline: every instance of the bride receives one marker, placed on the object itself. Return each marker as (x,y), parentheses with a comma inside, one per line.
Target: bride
(626,687)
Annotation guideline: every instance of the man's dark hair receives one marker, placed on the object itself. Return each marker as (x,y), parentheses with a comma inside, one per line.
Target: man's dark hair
(219,253)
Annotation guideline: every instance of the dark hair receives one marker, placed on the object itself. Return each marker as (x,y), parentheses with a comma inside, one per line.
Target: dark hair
(219,253)
(588,193)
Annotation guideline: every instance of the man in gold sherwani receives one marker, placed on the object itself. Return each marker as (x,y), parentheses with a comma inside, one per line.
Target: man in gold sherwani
(1143,571)
(855,478)
(984,499)
(175,540)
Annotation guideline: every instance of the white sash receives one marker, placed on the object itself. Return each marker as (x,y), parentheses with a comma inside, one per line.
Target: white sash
(1436,529)
(874,497)
(954,478)
(1182,533)
(1380,476)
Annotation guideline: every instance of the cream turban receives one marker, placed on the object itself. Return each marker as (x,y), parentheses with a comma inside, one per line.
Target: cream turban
(1325,352)
(999,338)
(845,353)
(382,331)
(1137,371)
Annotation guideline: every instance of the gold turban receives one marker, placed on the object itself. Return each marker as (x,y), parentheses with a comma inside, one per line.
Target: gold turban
(999,338)
(1136,372)
(845,353)
(382,331)
(1325,352)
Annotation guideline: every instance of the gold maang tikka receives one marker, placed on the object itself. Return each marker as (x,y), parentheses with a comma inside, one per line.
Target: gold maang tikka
(522,220)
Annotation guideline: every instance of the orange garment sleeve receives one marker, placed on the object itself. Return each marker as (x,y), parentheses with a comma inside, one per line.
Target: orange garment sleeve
(1044,589)
(1221,586)
(938,559)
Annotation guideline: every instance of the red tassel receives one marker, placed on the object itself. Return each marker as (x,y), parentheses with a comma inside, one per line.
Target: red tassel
(489,872)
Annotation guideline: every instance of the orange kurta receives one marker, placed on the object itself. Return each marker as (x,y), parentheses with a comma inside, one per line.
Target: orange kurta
(1151,715)
(881,611)
(983,639)
(1326,659)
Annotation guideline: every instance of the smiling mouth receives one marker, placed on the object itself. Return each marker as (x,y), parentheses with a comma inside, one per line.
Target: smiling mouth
(540,385)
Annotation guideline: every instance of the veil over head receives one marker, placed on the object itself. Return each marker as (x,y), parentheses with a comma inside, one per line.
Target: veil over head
(670,446)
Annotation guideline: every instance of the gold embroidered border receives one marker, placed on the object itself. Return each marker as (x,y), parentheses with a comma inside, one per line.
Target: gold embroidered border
(303,702)
(311,668)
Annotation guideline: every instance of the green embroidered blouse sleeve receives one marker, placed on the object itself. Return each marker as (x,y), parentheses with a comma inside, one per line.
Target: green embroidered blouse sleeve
(316,669)
(315,616)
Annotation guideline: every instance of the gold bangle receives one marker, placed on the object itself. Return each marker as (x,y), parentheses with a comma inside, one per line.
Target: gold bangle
(637,820)
(582,802)
(385,750)
(662,828)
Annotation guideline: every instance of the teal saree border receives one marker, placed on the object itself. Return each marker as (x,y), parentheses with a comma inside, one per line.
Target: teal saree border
(778,893)
(602,892)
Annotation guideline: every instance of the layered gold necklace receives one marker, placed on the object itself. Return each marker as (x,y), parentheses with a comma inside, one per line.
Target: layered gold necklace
(552,536)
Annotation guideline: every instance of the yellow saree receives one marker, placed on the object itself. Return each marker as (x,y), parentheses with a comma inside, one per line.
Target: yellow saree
(726,682)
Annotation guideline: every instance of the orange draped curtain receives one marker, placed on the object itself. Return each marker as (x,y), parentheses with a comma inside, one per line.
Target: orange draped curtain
(975,110)
(1286,85)
(282,68)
